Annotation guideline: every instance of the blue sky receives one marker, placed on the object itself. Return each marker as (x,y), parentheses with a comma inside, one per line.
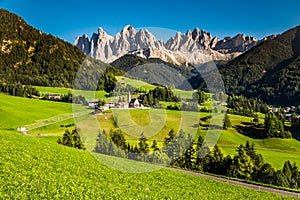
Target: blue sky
(68,19)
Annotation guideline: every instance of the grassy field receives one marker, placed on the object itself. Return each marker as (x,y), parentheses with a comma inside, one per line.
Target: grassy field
(135,83)
(37,113)
(58,166)
(85,93)
(155,126)
(17,111)
(41,169)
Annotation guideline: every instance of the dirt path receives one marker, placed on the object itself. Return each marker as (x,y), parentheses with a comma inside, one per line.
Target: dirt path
(247,185)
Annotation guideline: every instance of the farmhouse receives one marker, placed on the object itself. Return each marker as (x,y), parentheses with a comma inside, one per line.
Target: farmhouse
(93,103)
(53,96)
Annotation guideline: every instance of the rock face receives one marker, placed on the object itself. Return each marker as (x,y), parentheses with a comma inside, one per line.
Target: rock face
(193,47)
(239,43)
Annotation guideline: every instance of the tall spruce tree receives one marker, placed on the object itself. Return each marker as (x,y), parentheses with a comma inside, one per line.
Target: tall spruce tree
(226,122)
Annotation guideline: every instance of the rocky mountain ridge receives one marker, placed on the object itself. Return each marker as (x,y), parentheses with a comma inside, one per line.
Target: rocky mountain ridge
(197,46)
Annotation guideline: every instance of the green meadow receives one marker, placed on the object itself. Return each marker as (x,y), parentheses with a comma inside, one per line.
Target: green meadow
(17,111)
(155,124)
(31,112)
(40,169)
(57,166)
(135,83)
(87,94)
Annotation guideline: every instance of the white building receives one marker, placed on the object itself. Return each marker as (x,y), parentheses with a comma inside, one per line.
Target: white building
(94,103)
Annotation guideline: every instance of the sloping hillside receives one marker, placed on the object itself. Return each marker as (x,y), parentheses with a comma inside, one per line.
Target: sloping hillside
(32,168)
(269,70)
(30,57)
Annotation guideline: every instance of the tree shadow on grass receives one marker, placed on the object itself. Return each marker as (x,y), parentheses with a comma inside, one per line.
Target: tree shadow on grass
(250,131)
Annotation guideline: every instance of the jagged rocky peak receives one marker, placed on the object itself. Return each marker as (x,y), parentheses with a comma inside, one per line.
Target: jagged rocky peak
(270,37)
(100,36)
(203,37)
(102,33)
(128,29)
(192,47)
(188,33)
(239,43)
(83,43)
(195,34)
(214,41)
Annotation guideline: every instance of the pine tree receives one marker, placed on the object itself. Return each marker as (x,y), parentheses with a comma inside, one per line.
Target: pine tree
(287,170)
(77,143)
(102,143)
(265,174)
(143,145)
(67,139)
(274,125)
(170,137)
(243,163)
(118,138)
(154,146)
(226,122)
(280,179)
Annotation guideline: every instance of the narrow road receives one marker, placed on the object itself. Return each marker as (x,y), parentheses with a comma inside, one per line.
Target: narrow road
(247,185)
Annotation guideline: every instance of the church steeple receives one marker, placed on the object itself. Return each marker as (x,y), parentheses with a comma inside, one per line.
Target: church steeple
(129,97)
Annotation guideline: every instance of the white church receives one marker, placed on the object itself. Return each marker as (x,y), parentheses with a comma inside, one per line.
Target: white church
(134,103)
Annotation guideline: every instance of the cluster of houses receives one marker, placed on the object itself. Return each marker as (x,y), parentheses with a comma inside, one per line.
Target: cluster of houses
(132,103)
(288,112)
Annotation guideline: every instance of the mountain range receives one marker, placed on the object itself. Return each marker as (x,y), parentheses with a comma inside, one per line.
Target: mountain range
(197,46)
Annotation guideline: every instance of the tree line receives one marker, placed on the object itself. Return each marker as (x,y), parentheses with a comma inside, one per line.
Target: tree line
(71,139)
(241,105)
(158,94)
(68,98)
(19,90)
(182,150)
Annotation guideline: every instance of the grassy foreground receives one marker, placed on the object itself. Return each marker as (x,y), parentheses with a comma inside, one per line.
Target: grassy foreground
(33,168)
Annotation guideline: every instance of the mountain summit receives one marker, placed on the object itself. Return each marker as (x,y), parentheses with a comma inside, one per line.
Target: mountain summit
(194,47)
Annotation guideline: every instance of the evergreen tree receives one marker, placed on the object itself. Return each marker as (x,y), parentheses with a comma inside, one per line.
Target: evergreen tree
(265,174)
(280,179)
(274,126)
(257,159)
(143,145)
(214,162)
(295,127)
(199,96)
(71,140)
(243,163)
(67,139)
(158,157)
(102,143)
(226,122)
(118,138)
(77,143)
(107,82)
(170,137)
(287,171)
(154,146)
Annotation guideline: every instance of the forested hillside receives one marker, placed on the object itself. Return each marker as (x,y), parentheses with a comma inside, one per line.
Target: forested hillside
(269,71)
(30,57)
